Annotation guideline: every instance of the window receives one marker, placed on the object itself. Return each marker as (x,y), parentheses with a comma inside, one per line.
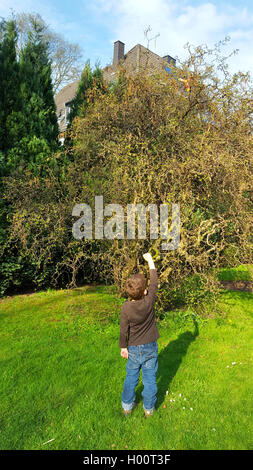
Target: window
(67,110)
(167,69)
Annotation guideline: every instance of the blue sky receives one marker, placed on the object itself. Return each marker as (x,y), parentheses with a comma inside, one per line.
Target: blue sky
(96,24)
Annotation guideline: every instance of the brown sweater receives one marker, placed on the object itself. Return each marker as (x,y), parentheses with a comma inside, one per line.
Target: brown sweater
(137,318)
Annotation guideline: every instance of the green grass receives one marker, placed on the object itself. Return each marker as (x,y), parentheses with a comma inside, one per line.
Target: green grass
(244,272)
(62,376)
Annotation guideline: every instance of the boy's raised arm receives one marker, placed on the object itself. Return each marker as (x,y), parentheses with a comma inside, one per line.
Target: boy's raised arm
(153,286)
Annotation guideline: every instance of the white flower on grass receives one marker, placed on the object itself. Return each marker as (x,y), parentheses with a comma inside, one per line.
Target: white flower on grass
(184,399)
(167,392)
(180,394)
(213,429)
(233,363)
(183,407)
(227,367)
(191,409)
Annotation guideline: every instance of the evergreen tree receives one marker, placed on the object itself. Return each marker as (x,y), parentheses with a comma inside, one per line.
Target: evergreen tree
(9,103)
(9,79)
(28,131)
(36,86)
(34,130)
(89,79)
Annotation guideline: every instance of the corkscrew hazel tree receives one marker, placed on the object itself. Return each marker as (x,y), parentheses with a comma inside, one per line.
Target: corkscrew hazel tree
(148,140)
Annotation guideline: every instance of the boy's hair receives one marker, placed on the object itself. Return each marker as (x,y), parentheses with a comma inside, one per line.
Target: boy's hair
(135,286)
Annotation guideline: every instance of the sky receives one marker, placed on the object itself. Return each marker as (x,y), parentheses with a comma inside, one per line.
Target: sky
(96,24)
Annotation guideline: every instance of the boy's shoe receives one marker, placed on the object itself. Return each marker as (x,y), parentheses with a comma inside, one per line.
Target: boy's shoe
(148,413)
(128,412)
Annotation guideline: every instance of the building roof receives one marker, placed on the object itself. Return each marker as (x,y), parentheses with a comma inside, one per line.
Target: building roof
(138,58)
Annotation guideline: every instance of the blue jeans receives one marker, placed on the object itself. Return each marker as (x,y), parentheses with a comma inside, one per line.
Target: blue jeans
(143,356)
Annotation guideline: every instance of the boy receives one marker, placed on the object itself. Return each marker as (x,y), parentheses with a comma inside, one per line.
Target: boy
(137,325)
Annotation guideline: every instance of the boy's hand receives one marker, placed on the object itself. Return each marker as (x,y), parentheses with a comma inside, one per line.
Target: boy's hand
(124,352)
(149,259)
(147,256)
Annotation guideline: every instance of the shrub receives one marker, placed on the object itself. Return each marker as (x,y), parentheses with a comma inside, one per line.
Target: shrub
(146,140)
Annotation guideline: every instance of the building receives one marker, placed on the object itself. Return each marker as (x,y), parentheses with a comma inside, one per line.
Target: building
(137,59)
(62,102)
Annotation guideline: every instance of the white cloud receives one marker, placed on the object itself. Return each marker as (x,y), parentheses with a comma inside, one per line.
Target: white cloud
(182,22)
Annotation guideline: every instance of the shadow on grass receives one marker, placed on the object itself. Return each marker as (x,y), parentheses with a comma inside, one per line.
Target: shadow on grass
(234,296)
(239,302)
(45,299)
(169,361)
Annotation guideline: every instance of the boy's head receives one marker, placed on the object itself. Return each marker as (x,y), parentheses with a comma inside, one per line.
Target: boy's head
(136,286)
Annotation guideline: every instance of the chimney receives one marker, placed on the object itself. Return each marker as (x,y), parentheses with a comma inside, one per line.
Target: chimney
(118,52)
(169,59)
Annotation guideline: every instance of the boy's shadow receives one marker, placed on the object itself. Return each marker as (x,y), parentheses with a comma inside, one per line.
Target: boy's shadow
(169,361)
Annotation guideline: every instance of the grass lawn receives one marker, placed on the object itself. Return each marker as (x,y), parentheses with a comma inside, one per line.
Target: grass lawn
(62,376)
